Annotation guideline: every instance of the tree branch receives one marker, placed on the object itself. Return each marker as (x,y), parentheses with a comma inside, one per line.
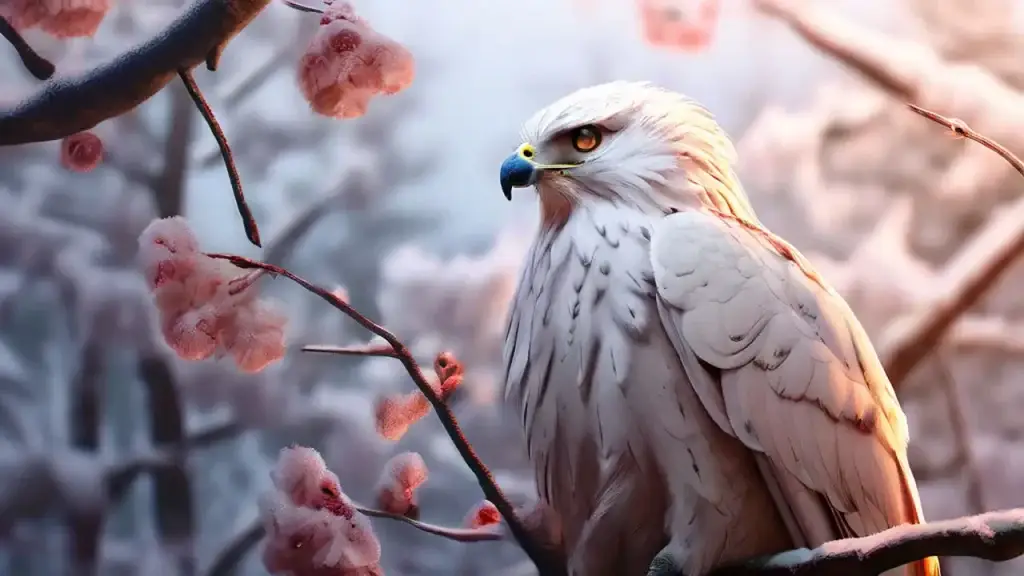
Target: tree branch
(540,557)
(995,536)
(978,268)
(65,106)
(235,551)
(36,65)
(364,350)
(251,230)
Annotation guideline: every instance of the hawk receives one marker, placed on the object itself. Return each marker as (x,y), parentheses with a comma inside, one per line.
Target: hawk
(687,383)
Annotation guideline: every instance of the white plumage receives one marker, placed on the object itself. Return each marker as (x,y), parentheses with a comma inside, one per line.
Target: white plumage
(685,380)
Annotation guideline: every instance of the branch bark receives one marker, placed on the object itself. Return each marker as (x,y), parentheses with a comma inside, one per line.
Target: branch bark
(69,105)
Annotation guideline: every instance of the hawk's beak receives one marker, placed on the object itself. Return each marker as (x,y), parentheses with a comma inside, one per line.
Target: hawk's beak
(520,170)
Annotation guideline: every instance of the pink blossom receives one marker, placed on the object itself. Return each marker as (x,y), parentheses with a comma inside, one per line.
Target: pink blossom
(74,18)
(256,336)
(302,475)
(303,541)
(395,413)
(348,63)
(396,489)
(81,152)
(60,18)
(483,514)
(207,306)
(313,529)
(23,14)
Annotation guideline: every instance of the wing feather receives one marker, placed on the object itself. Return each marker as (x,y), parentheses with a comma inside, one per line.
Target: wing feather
(780,362)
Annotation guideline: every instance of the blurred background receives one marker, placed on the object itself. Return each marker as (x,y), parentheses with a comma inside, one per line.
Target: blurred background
(402,209)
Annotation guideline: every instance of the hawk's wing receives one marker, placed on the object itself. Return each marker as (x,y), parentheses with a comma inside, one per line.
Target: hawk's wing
(780,362)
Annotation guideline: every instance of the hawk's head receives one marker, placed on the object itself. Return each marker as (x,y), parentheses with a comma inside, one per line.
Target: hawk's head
(629,142)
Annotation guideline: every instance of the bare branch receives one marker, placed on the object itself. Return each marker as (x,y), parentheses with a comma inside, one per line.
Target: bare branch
(961,129)
(70,105)
(251,230)
(364,350)
(541,558)
(978,267)
(36,65)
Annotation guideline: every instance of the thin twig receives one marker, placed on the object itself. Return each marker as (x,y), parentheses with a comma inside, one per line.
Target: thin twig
(235,551)
(302,7)
(36,65)
(958,425)
(914,340)
(961,129)
(456,534)
(362,350)
(77,103)
(540,557)
(251,230)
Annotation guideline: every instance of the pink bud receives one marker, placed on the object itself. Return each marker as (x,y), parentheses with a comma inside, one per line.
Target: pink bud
(483,514)
(81,152)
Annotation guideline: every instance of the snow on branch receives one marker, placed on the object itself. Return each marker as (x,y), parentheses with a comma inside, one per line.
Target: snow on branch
(994,536)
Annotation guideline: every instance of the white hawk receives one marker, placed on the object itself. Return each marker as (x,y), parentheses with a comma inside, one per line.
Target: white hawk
(685,380)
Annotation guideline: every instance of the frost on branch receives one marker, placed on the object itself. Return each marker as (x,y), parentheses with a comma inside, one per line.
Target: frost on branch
(348,63)
(60,18)
(481,515)
(312,527)
(81,152)
(396,489)
(207,306)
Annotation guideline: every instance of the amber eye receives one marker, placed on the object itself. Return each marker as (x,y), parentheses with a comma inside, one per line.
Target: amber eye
(586,138)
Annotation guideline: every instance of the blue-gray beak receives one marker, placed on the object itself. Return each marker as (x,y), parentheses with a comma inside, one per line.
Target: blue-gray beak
(521,170)
(517,171)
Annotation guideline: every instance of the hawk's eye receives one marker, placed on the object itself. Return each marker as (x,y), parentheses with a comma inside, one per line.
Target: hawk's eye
(586,138)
